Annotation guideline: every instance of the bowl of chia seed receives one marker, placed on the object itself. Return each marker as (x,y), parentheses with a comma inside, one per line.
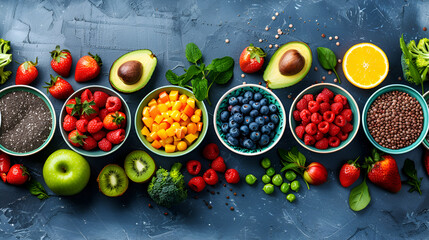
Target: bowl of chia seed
(395,119)
(426,140)
(27,120)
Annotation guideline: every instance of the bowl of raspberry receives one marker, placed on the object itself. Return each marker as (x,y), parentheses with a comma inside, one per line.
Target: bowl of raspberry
(95,121)
(324,118)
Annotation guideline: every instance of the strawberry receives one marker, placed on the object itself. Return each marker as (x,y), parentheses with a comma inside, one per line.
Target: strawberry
(99,135)
(4,162)
(218,164)
(17,175)
(76,138)
(116,136)
(100,98)
(74,107)
(103,113)
(26,73)
(86,96)
(87,68)
(114,120)
(383,171)
(252,59)
(59,88)
(61,61)
(426,161)
(89,143)
(349,173)
(105,145)
(82,125)
(95,125)
(113,104)
(69,123)
(89,110)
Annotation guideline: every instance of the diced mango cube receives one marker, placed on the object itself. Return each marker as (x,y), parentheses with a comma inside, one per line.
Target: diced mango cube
(168,120)
(156,144)
(198,112)
(168,104)
(183,98)
(162,107)
(155,127)
(169,148)
(191,102)
(177,105)
(164,125)
(169,140)
(145,112)
(152,103)
(149,139)
(154,111)
(165,115)
(184,117)
(190,138)
(163,97)
(174,95)
(181,132)
(200,126)
(189,111)
(175,125)
(162,134)
(145,131)
(148,121)
(158,119)
(163,143)
(175,115)
(171,131)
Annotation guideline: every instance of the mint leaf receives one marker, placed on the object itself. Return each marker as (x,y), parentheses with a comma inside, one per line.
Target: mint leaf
(200,88)
(191,72)
(193,53)
(36,189)
(172,77)
(224,77)
(221,64)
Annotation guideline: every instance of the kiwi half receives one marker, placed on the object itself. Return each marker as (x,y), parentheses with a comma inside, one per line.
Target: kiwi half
(112,181)
(139,166)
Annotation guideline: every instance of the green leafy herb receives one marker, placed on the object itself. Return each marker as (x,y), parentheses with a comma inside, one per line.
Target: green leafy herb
(328,60)
(36,189)
(415,60)
(202,77)
(413,180)
(359,197)
(293,160)
(5,59)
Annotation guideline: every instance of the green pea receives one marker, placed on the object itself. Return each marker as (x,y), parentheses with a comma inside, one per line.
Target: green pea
(285,187)
(290,175)
(251,179)
(277,180)
(295,185)
(266,179)
(270,171)
(266,163)
(290,197)
(268,188)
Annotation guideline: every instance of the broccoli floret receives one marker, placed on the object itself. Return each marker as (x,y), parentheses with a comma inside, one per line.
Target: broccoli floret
(168,188)
(5,59)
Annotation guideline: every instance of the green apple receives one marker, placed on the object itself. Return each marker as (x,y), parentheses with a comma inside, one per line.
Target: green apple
(66,172)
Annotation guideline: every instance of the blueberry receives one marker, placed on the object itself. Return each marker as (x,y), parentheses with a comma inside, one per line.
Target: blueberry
(233,101)
(274,118)
(246,108)
(273,108)
(244,130)
(232,123)
(234,132)
(227,135)
(233,141)
(257,96)
(241,141)
(238,117)
(271,125)
(248,95)
(255,136)
(253,126)
(272,134)
(264,102)
(235,109)
(254,113)
(225,127)
(266,119)
(248,143)
(260,120)
(245,101)
(251,102)
(264,129)
(256,105)
(264,110)
(248,120)
(224,115)
(240,99)
(265,139)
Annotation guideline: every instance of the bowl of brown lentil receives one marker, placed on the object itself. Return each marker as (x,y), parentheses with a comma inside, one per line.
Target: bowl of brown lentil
(394,117)
(28,120)
(426,140)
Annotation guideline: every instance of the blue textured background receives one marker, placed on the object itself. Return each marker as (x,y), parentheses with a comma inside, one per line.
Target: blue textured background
(112,28)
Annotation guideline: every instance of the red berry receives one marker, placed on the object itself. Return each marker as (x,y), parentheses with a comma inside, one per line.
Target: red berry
(99,135)
(211,151)
(349,173)
(313,106)
(301,105)
(100,98)
(61,61)
(340,121)
(76,138)
(232,176)
(87,96)
(95,125)
(342,136)
(116,136)
(304,123)
(69,123)
(308,97)
(103,113)
(81,125)
(300,130)
(113,104)
(3,177)
(323,127)
(333,129)
(197,184)
(328,93)
(89,110)
(73,107)
(334,141)
(311,129)
(346,106)
(322,98)
(193,167)
(347,128)
(4,162)
(305,115)
(348,114)
(322,143)
(210,177)
(316,118)
(218,164)
(89,143)
(336,108)
(328,116)
(324,107)
(319,135)
(17,175)
(105,145)
(309,140)
(340,99)
(296,115)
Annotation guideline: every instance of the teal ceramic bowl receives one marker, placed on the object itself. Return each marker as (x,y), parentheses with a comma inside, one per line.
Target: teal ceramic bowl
(316,89)
(425,141)
(48,103)
(412,93)
(96,152)
(138,123)
(222,105)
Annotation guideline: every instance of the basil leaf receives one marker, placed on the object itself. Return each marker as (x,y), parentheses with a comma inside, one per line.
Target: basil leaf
(359,197)
(224,77)
(200,88)
(327,58)
(414,181)
(221,64)
(172,77)
(288,166)
(193,53)
(36,189)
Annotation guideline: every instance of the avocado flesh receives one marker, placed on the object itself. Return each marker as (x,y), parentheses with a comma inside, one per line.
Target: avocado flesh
(146,58)
(272,74)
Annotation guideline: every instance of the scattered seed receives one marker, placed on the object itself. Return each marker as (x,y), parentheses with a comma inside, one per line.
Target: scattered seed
(276,45)
(335,80)
(273,17)
(323,78)
(424,29)
(330,38)
(166,213)
(212,192)
(232,208)
(226,204)
(150,205)
(329,72)
(289,96)
(276,36)
(315,69)
(337,43)
(260,83)
(230,189)
(336,37)
(224,185)
(291,25)
(270,46)
(242,75)
(227,40)
(276,14)
(210,206)
(339,60)
(267,28)
(260,40)
(235,194)
(244,83)
(323,35)
(399,78)
(227,197)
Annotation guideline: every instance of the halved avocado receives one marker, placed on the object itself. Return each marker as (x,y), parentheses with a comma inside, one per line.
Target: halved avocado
(131,71)
(289,65)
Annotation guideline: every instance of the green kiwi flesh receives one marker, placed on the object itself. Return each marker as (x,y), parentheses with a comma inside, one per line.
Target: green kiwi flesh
(112,181)
(139,166)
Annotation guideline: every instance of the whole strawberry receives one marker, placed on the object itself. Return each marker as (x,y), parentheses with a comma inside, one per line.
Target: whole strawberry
(76,138)
(74,107)
(349,173)
(252,59)
(61,61)
(383,171)
(59,88)
(17,175)
(87,68)
(26,73)
(89,110)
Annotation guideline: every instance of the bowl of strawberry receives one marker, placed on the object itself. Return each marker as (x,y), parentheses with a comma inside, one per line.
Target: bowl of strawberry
(324,118)
(95,121)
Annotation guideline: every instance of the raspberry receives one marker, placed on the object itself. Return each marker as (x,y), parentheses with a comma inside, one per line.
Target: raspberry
(218,164)
(316,118)
(105,145)
(116,136)
(99,135)
(302,104)
(323,127)
(346,106)
(334,141)
(319,135)
(304,123)
(100,98)
(336,108)
(211,151)
(296,115)
(86,96)
(300,131)
(197,184)
(324,107)
(103,113)
(305,115)
(340,121)
(113,104)
(340,99)
(342,136)
(328,93)
(348,114)
(333,129)
(232,176)
(95,125)
(81,125)
(313,106)
(89,143)
(328,116)
(309,140)
(347,128)
(322,143)
(69,123)
(322,98)
(311,129)
(193,167)
(210,177)
(308,97)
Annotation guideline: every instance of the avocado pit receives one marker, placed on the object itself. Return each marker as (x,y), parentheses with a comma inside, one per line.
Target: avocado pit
(291,63)
(130,72)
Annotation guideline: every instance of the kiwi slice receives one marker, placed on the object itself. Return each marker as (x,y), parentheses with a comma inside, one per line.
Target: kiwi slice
(139,166)
(112,181)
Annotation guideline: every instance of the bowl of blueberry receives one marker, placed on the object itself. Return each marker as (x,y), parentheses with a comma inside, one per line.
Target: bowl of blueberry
(249,119)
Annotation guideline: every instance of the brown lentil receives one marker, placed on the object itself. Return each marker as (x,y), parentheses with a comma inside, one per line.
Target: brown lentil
(424,29)
(232,208)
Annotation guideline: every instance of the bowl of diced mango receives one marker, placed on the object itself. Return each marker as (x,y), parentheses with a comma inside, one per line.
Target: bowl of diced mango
(170,121)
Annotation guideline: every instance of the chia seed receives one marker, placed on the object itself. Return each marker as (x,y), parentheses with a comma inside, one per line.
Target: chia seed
(26,121)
